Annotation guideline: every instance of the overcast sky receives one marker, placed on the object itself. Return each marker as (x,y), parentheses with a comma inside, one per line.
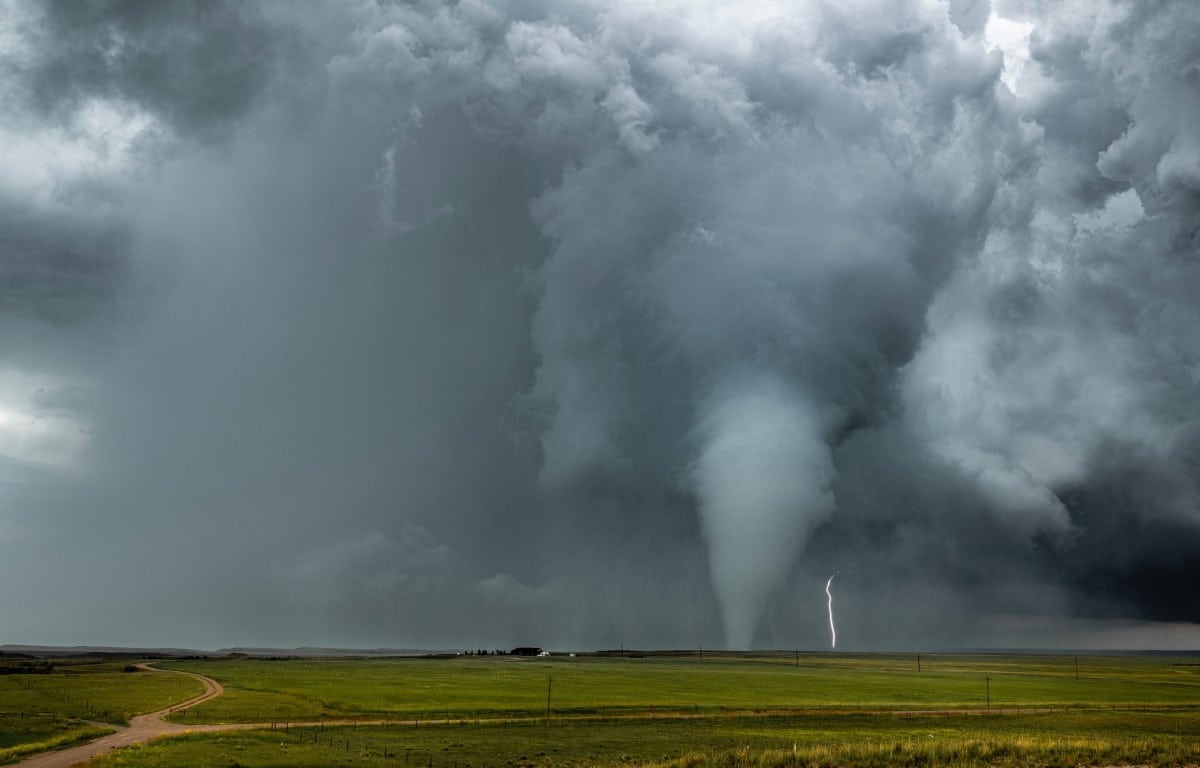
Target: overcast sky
(584,324)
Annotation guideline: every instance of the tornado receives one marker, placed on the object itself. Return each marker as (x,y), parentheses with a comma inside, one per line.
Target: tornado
(763,481)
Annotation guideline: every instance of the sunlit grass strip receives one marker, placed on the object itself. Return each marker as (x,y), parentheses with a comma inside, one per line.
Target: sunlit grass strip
(1040,751)
(66,739)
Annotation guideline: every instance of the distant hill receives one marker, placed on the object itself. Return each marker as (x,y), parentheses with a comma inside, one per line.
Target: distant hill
(105,651)
(41,651)
(308,651)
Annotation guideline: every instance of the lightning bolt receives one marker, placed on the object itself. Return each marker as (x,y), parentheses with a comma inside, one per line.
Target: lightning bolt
(832,631)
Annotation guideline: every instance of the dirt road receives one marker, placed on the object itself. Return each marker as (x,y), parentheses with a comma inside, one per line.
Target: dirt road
(141,728)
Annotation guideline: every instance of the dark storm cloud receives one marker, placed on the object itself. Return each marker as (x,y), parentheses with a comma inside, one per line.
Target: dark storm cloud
(56,268)
(195,65)
(527,322)
(1090,390)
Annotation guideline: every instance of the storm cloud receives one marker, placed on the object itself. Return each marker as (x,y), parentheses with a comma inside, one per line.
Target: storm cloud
(583,324)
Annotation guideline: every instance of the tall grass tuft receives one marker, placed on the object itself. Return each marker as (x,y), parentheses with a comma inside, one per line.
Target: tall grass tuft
(1047,752)
(14,753)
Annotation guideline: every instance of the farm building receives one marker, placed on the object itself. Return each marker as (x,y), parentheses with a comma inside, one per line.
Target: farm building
(528,651)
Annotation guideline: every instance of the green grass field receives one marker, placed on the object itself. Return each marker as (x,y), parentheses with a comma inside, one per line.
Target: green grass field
(71,704)
(30,734)
(685,712)
(812,709)
(1094,738)
(470,687)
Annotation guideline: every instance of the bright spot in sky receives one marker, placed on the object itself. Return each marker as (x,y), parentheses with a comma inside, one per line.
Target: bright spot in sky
(53,443)
(1012,38)
(36,436)
(98,142)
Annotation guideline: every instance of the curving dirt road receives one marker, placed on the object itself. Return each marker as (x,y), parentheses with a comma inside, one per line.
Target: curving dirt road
(141,728)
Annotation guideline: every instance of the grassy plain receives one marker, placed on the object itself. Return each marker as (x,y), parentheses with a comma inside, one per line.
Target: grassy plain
(1051,739)
(681,712)
(71,703)
(510,687)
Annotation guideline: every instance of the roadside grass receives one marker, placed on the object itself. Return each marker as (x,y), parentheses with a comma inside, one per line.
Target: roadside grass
(490,687)
(98,691)
(30,734)
(717,741)
(70,704)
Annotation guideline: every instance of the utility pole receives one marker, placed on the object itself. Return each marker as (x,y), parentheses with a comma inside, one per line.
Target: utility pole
(918,662)
(1076,667)
(988,683)
(797,658)
(549,681)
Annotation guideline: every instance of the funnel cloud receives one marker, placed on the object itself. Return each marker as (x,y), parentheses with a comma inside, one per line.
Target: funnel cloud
(762,481)
(543,322)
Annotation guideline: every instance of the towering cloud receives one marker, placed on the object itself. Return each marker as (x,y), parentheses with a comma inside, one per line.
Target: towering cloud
(595,323)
